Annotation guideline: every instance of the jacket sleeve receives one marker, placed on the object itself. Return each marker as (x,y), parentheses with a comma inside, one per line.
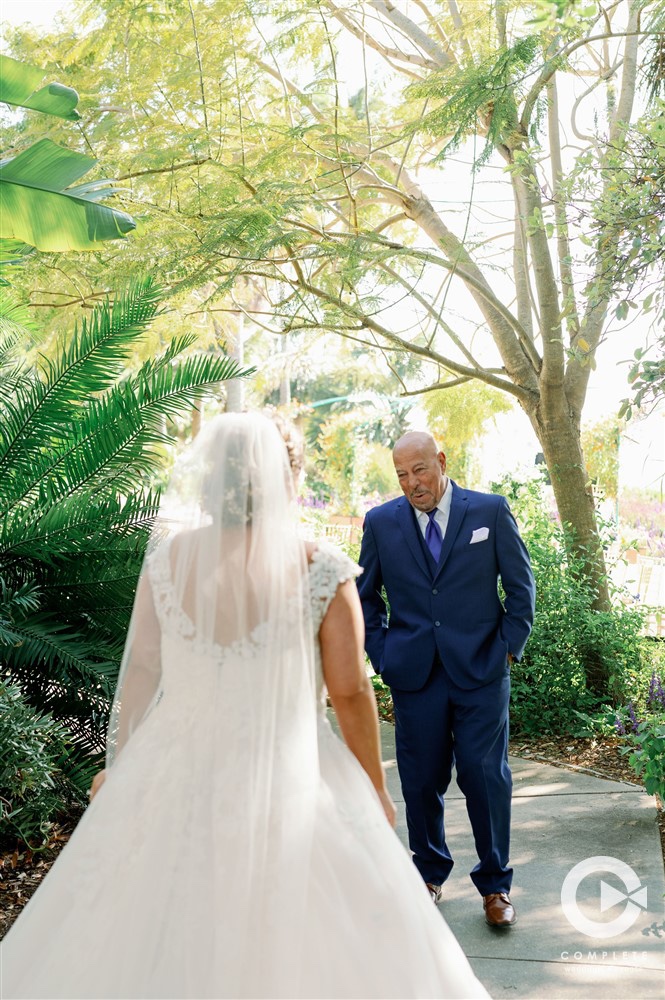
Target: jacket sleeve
(370,585)
(517,582)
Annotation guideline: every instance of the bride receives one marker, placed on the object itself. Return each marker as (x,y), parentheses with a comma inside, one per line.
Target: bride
(236,848)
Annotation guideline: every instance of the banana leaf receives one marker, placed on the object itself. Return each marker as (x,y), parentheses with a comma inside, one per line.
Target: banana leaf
(19,85)
(38,207)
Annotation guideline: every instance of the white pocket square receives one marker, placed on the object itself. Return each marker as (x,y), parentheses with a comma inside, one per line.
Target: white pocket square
(479,535)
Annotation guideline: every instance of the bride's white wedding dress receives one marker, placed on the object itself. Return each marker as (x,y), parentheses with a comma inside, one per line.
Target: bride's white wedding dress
(151,897)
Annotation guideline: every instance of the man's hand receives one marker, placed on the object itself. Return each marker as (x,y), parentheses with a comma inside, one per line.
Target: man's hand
(511,659)
(97,783)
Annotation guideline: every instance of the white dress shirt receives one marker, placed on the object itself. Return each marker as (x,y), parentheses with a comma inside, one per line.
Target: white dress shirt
(442,512)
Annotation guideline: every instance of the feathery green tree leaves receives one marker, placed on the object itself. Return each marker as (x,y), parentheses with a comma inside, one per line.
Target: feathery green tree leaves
(307,150)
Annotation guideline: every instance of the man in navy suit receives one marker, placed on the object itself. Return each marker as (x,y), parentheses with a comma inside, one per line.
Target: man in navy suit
(445,648)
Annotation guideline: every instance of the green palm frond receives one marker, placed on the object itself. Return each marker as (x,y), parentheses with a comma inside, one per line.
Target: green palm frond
(75,766)
(48,642)
(164,390)
(16,604)
(13,253)
(111,444)
(15,320)
(96,355)
(73,526)
(80,443)
(88,362)
(100,454)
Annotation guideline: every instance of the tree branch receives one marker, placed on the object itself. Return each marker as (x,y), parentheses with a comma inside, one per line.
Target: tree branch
(435,314)
(552,65)
(563,241)
(412,31)
(437,385)
(386,51)
(577,374)
(424,352)
(200,65)
(164,170)
(523,290)
(459,24)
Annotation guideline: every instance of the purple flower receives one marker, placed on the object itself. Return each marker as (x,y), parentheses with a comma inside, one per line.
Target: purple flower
(632,718)
(619,726)
(656,695)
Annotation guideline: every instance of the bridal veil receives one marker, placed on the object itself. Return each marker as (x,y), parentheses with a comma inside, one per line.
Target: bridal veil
(225,579)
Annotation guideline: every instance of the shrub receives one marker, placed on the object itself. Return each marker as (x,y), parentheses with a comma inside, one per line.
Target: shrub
(549,684)
(34,785)
(644,738)
(645,748)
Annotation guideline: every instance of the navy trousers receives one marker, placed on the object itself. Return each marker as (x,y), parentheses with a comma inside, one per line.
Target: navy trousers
(437,726)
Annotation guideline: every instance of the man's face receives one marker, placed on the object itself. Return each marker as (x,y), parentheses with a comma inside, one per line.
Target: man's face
(421,472)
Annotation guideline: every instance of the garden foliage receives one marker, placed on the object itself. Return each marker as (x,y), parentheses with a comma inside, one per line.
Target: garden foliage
(42,769)
(644,738)
(81,438)
(549,684)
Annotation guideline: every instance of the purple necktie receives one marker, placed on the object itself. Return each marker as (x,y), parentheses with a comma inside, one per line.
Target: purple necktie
(433,535)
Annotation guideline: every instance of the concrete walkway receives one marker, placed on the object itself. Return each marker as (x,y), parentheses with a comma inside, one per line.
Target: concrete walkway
(561,818)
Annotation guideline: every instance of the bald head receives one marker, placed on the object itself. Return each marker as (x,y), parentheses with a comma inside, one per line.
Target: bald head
(422,440)
(421,469)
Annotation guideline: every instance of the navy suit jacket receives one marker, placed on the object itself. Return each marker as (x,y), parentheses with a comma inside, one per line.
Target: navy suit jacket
(453,607)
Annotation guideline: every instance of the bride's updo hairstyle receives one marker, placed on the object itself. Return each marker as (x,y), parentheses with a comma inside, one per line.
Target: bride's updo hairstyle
(294,441)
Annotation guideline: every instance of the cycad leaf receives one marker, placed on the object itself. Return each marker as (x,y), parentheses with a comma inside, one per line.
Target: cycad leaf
(19,85)
(14,252)
(89,362)
(163,389)
(37,208)
(15,319)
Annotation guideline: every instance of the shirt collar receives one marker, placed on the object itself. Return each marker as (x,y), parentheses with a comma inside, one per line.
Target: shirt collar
(443,505)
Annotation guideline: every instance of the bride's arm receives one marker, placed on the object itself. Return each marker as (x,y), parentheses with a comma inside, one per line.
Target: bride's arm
(139,679)
(141,670)
(349,687)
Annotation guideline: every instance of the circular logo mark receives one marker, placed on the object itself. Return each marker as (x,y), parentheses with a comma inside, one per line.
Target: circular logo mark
(635,897)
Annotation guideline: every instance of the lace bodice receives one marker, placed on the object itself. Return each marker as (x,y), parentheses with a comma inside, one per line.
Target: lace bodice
(328,568)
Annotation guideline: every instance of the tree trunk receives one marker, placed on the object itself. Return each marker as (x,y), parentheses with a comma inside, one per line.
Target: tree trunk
(559,435)
(196,420)
(285,380)
(235,389)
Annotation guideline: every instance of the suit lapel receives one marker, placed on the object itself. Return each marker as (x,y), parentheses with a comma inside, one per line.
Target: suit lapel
(458,509)
(407,522)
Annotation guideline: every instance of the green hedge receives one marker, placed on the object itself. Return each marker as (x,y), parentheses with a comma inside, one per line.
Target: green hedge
(42,770)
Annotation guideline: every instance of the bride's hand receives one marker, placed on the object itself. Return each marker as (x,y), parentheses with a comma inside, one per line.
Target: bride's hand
(97,783)
(388,808)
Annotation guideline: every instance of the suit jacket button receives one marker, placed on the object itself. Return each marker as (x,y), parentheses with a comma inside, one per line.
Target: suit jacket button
(435,591)
(437,624)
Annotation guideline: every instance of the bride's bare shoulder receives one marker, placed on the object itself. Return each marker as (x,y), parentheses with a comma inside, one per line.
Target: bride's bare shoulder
(180,543)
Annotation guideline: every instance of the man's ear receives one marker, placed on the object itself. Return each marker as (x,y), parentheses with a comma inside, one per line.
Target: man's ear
(442,461)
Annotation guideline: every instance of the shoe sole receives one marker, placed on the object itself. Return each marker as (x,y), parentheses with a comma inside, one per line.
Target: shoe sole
(501,927)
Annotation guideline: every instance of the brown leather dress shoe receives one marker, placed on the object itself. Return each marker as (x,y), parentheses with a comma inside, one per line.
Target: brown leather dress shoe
(436,892)
(499,911)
